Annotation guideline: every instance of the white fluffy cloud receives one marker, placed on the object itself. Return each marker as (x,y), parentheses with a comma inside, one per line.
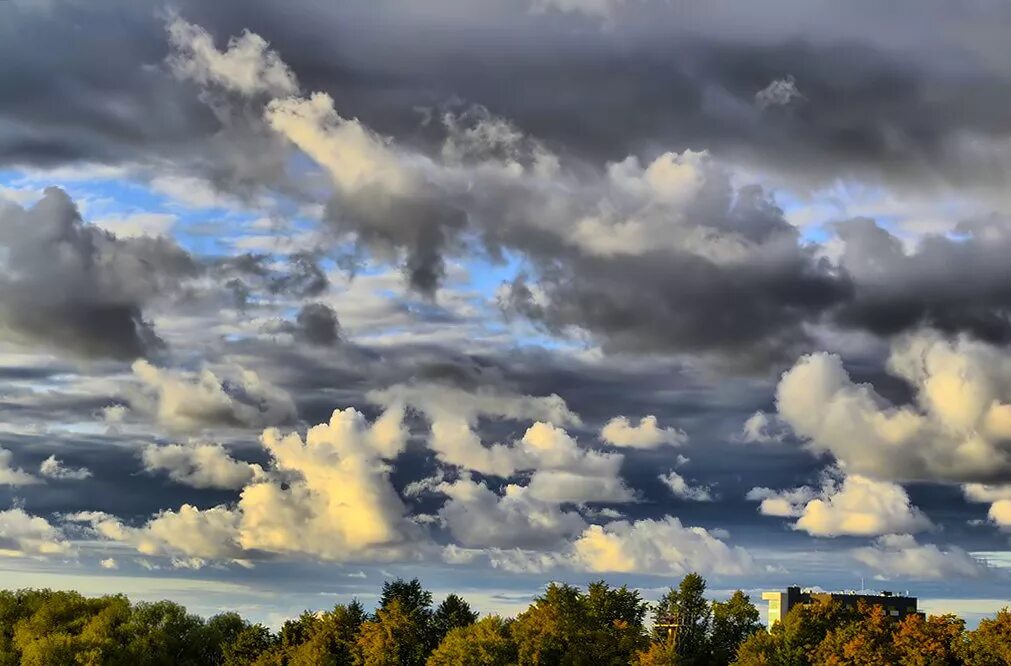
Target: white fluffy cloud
(480,518)
(900,556)
(53,468)
(247,66)
(24,535)
(681,488)
(328,496)
(13,476)
(760,428)
(656,546)
(955,431)
(999,498)
(453,415)
(619,431)
(857,506)
(199,465)
(184,402)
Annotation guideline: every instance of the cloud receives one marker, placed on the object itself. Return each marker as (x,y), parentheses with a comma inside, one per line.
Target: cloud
(858,506)
(24,535)
(199,465)
(682,489)
(328,496)
(602,9)
(72,287)
(953,432)
(317,324)
(647,435)
(479,518)
(760,428)
(109,563)
(900,556)
(138,225)
(246,66)
(453,415)
(13,476)
(183,402)
(657,546)
(53,468)
(779,92)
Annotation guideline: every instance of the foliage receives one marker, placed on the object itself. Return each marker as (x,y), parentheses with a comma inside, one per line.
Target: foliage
(565,626)
(484,643)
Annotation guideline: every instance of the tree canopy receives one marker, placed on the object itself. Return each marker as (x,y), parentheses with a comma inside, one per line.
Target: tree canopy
(565,626)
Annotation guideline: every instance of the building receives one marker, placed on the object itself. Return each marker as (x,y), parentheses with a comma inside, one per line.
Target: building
(780,603)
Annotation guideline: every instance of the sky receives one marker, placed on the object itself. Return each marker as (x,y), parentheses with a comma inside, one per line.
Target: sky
(298,297)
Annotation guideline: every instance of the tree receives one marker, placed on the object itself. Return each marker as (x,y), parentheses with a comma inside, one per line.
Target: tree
(396,636)
(688,607)
(452,613)
(614,623)
(934,641)
(330,638)
(484,643)
(734,620)
(164,633)
(866,640)
(990,643)
(248,646)
(548,632)
(792,641)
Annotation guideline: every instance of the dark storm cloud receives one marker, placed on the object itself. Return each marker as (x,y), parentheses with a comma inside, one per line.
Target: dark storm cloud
(895,92)
(317,324)
(953,284)
(73,286)
(871,102)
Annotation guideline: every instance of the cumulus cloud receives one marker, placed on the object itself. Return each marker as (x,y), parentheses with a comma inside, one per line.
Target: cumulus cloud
(24,535)
(185,402)
(955,431)
(246,66)
(199,465)
(619,431)
(684,490)
(453,415)
(761,428)
(657,546)
(858,506)
(328,496)
(606,243)
(53,468)
(13,476)
(999,498)
(70,286)
(478,517)
(900,556)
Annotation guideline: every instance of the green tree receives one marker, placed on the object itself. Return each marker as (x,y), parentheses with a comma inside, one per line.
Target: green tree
(687,607)
(396,636)
(248,647)
(792,641)
(164,633)
(487,642)
(452,613)
(614,623)
(549,631)
(990,643)
(734,620)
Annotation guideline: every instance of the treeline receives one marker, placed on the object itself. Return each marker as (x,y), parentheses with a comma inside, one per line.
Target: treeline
(602,625)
